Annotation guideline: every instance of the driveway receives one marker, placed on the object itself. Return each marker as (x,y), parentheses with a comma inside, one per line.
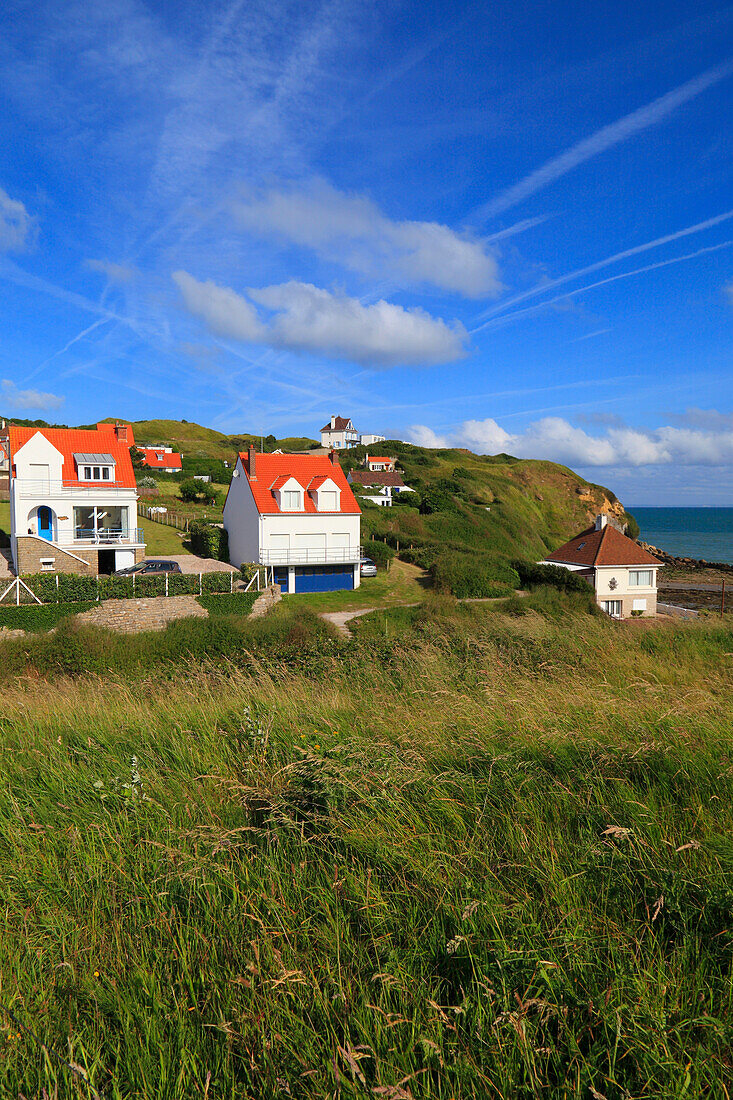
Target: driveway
(189,563)
(5,571)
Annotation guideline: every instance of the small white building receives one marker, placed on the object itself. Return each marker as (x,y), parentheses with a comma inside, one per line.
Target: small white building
(380,462)
(296,515)
(73,500)
(622,574)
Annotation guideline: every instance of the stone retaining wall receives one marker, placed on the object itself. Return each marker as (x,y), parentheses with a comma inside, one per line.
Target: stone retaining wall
(266,601)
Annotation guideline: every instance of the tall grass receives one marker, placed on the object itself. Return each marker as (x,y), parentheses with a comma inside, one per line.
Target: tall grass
(489,855)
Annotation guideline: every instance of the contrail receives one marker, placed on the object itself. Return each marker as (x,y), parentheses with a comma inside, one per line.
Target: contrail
(603,139)
(506,317)
(656,243)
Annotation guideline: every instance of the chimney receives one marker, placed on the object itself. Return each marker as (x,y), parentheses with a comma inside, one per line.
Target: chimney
(333,422)
(332,456)
(251,464)
(601,522)
(121,432)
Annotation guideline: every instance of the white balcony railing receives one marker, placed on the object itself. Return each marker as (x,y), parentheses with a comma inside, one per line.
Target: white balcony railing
(68,539)
(318,555)
(30,487)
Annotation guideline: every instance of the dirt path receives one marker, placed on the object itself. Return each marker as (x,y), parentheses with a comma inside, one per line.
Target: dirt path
(339,619)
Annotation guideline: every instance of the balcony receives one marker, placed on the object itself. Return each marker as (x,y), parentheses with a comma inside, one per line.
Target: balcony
(100,539)
(319,555)
(28,487)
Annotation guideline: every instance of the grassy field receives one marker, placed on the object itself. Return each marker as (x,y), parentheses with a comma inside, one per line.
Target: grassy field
(161,540)
(403,583)
(5,517)
(489,856)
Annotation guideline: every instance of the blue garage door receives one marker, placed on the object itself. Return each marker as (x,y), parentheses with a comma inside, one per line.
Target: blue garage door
(280,576)
(323,578)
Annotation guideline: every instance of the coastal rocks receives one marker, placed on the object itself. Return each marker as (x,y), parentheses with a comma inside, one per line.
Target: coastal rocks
(686,563)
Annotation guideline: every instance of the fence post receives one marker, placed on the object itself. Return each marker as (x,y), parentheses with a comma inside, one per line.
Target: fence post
(166,584)
(97,589)
(231,582)
(57,588)
(133,585)
(201,590)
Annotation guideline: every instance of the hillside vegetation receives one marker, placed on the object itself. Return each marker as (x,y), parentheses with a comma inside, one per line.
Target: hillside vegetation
(482,852)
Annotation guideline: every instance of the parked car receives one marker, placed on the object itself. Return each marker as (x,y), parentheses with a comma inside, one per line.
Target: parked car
(368,568)
(146,568)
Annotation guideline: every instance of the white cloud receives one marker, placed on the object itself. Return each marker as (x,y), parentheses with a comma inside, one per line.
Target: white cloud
(27,399)
(225,312)
(116,273)
(307,318)
(351,230)
(16,224)
(556,440)
(605,138)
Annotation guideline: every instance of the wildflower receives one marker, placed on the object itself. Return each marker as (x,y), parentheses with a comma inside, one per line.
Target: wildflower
(96,973)
(316,746)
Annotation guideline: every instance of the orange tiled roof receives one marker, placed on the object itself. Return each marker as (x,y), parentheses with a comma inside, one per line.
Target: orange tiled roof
(380,458)
(159,460)
(70,441)
(605,547)
(272,468)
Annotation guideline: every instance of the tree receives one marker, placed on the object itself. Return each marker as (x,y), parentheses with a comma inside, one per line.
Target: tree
(138,458)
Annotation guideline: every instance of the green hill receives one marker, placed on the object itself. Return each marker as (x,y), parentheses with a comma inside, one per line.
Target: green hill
(197,441)
(497,505)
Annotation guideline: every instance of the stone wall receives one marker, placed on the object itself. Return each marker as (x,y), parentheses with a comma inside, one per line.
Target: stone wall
(266,601)
(31,549)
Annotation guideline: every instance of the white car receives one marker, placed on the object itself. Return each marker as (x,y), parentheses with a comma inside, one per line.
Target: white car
(368,568)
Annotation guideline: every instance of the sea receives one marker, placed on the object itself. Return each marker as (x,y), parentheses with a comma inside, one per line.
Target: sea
(688,532)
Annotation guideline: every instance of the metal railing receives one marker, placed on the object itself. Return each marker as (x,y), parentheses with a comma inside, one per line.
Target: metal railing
(81,537)
(318,555)
(29,487)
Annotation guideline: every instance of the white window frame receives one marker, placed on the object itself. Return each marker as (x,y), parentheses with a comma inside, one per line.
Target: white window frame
(286,496)
(634,581)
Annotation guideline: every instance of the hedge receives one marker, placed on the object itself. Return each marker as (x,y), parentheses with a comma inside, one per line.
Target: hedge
(532,573)
(379,552)
(209,541)
(467,576)
(72,588)
(235,603)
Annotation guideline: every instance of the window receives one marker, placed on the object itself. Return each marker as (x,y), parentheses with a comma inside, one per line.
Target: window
(639,605)
(96,473)
(87,473)
(327,501)
(641,578)
(47,565)
(291,500)
(105,473)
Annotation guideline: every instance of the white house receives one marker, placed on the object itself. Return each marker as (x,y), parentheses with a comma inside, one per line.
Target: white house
(380,462)
(73,500)
(339,433)
(162,458)
(296,515)
(623,576)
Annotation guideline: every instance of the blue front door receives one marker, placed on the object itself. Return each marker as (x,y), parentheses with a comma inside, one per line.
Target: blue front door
(45,523)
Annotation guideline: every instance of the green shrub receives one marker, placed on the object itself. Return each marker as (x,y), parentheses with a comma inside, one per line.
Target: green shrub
(183,584)
(532,573)
(379,552)
(37,619)
(216,582)
(209,541)
(232,603)
(69,589)
(471,576)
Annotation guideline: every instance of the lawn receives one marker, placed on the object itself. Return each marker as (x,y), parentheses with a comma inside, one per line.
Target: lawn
(161,540)
(5,516)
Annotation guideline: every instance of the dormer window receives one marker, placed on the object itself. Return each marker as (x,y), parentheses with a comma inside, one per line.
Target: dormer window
(327,501)
(95,467)
(290,500)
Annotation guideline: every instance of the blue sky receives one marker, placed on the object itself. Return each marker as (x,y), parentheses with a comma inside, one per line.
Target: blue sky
(506,227)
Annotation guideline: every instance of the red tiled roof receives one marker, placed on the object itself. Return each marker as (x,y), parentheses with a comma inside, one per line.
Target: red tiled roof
(342,422)
(380,458)
(376,477)
(605,547)
(160,460)
(271,468)
(70,441)
(105,426)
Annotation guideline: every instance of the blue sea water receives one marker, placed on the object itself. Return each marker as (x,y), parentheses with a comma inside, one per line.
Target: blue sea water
(688,532)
